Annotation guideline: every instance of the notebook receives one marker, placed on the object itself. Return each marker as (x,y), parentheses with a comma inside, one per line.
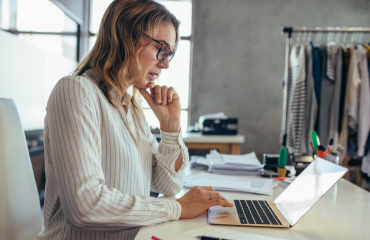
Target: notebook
(289,207)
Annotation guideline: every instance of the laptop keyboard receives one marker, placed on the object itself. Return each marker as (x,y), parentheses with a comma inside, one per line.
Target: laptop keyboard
(256,212)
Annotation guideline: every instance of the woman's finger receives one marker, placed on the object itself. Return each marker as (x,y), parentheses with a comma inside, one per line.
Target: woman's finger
(151,86)
(171,91)
(220,202)
(157,94)
(148,98)
(209,188)
(164,95)
(216,195)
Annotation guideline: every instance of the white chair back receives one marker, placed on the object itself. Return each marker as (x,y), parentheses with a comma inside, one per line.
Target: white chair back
(20,213)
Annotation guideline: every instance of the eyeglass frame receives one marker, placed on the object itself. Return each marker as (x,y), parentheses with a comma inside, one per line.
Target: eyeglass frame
(170,54)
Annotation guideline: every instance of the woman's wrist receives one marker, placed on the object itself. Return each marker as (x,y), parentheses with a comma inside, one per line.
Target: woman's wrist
(170,126)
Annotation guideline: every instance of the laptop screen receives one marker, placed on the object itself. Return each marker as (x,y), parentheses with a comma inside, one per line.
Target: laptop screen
(308,188)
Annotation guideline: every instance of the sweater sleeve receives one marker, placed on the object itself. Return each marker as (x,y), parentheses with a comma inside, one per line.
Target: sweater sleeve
(74,158)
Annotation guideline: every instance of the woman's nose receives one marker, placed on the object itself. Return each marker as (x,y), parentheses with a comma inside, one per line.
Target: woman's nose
(164,64)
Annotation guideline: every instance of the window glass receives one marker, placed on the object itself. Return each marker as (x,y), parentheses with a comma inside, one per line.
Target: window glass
(55,44)
(154,123)
(4,14)
(98,8)
(177,75)
(92,41)
(182,10)
(42,16)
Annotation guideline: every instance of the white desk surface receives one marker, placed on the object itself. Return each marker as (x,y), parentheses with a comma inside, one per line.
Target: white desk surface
(199,138)
(343,213)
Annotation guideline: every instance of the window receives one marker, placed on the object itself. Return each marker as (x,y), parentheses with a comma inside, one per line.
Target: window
(178,75)
(42,24)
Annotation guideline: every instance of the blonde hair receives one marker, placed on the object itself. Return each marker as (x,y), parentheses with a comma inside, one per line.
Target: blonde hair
(121,28)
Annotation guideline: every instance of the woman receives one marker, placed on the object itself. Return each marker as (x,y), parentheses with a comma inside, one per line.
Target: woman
(101,159)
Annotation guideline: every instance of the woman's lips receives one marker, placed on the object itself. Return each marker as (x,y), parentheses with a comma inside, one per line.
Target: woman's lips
(152,76)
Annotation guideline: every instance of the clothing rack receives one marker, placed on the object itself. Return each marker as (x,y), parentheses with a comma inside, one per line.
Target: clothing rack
(288,44)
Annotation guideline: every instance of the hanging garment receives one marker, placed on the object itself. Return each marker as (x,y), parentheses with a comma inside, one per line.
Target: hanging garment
(367,47)
(297,99)
(311,102)
(336,53)
(343,89)
(353,80)
(316,72)
(365,166)
(284,117)
(330,92)
(326,96)
(363,100)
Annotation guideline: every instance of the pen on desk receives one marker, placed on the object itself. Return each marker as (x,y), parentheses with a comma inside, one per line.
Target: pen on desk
(201,237)
(330,146)
(313,148)
(340,151)
(335,151)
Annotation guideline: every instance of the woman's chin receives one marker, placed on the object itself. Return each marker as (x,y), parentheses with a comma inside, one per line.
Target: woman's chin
(141,86)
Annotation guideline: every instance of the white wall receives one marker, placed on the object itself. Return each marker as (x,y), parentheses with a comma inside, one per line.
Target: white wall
(28,75)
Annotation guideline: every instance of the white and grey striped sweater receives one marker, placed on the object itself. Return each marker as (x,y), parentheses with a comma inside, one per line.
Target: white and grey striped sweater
(297,101)
(98,181)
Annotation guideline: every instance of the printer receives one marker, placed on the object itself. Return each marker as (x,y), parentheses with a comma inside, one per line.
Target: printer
(218,124)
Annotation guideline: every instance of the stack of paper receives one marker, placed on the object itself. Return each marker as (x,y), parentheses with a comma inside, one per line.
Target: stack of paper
(199,163)
(246,164)
(230,183)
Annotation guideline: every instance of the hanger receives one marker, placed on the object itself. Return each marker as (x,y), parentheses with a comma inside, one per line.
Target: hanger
(337,37)
(309,36)
(344,37)
(299,37)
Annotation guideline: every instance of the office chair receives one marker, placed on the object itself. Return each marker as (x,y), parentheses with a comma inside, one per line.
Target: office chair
(20,213)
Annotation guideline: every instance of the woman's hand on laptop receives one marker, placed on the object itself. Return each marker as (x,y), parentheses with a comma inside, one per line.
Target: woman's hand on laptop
(200,199)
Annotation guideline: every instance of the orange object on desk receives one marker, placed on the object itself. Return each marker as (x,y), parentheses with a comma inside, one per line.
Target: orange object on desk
(321,151)
(281,178)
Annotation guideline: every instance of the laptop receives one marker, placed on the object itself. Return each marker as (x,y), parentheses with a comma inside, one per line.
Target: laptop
(289,207)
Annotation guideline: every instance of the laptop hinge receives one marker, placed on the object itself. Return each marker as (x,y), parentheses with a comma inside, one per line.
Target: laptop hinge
(284,215)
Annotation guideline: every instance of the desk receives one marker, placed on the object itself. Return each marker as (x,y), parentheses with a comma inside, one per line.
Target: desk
(343,213)
(219,142)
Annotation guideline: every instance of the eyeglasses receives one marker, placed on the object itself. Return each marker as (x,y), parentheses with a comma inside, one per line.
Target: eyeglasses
(164,51)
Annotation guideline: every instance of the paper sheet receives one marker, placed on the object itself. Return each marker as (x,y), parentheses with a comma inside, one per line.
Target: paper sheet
(219,183)
(249,159)
(202,160)
(261,186)
(219,233)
